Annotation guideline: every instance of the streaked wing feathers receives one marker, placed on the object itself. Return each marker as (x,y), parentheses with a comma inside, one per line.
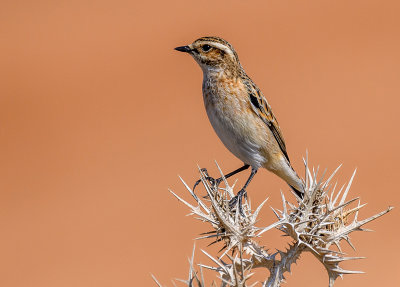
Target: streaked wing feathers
(263,110)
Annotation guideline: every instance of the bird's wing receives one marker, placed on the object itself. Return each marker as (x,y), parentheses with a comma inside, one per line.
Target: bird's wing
(261,107)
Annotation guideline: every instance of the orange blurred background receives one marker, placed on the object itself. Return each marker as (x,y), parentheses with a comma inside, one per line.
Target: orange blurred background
(98,115)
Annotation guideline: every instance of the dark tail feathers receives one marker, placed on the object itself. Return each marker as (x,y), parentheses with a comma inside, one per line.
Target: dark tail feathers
(298,192)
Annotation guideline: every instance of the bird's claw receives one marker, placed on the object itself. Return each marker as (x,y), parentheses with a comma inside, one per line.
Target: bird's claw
(237,201)
(213,181)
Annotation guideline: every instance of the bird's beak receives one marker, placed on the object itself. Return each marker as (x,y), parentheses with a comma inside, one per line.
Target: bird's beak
(185,49)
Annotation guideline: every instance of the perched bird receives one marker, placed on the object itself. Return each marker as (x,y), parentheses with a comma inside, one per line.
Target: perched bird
(240,114)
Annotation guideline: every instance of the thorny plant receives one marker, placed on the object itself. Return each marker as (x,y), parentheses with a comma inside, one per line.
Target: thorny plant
(322,219)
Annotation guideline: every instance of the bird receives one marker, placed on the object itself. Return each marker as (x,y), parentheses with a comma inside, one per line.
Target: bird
(240,114)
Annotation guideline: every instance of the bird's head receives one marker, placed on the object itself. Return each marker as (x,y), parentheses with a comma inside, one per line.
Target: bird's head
(213,54)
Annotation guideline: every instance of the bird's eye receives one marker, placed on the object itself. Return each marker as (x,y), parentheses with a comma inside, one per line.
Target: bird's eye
(206,48)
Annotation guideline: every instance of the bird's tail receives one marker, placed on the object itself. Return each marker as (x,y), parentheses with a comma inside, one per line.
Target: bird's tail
(289,175)
(299,193)
(296,183)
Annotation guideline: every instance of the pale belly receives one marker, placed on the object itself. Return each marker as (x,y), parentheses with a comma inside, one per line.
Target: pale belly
(238,136)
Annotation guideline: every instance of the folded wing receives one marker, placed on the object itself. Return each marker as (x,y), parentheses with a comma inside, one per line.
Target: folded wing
(263,110)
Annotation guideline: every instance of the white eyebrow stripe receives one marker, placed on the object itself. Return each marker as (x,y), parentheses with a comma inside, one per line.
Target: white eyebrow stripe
(223,47)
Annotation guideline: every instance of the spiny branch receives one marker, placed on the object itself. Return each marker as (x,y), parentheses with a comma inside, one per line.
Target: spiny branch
(320,221)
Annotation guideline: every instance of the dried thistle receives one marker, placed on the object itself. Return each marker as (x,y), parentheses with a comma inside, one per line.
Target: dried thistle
(318,223)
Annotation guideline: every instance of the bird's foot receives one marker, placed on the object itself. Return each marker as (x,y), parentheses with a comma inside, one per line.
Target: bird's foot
(211,180)
(237,201)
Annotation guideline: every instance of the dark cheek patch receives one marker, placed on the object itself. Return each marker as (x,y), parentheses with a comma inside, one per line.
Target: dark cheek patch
(213,56)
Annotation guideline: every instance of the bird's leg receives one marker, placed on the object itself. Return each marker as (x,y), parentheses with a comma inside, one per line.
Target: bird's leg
(246,166)
(242,193)
(219,180)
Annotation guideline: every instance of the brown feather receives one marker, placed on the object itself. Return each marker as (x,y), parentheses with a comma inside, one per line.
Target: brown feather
(261,107)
